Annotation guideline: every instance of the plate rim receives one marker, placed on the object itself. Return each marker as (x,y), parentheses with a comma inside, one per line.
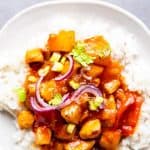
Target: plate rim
(58,2)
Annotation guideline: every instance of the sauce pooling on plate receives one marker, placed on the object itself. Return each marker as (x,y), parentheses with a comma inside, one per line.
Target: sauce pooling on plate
(75,97)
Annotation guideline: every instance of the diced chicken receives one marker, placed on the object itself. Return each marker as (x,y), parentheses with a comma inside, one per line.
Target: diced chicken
(110,103)
(110,139)
(107,114)
(110,108)
(91,129)
(110,111)
(62,42)
(72,113)
(48,89)
(29,83)
(25,119)
(79,145)
(111,86)
(62,133)
(97,46)
(34,56)
(43,135)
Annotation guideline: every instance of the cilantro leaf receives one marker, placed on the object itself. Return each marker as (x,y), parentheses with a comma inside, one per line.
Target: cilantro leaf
(21,94)
(56,100)
(80,55)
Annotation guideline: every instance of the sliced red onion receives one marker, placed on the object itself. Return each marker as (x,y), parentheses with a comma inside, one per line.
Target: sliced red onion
(41,101)
(83,89)
(67,102)
(37,108)
(68,73)
(38,96)
(65,97)
(45,115)
(86,89)
(83,72)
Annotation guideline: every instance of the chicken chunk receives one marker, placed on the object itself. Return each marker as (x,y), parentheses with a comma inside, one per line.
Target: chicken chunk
(63,41)
(25,119)
(91,129)
(43,135)
(62,134)
(48,90)
(72,113)
(79,145)
(111,86)
(34,56)
(110,139)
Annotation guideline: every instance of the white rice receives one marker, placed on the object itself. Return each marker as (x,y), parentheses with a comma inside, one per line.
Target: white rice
(137,76)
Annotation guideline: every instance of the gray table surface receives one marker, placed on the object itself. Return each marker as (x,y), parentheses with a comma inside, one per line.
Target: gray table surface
(140,8)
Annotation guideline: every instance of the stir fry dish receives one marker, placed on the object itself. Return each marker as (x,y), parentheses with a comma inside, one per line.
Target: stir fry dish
(74,96)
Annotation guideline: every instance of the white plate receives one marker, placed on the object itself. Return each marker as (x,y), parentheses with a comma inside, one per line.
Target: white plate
(31,27)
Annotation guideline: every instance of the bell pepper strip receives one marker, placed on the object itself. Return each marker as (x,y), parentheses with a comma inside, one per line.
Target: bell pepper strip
(122,105)
(130,118)
(128,113)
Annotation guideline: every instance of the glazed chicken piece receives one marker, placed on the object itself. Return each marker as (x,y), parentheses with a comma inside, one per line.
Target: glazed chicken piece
(34,56)
(110,139)
(62,133)
(111,86)
(43,135)
(63,41)
(79,145)
(72,113)
(90,129)
(25,119)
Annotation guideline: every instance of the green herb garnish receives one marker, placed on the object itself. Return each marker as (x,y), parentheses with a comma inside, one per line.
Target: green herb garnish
(80,55)
(94,104)
(56,100)
(21,93)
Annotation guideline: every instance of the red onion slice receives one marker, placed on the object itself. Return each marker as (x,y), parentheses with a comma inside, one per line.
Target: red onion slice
(83,89)
(38,96)
(45,115)
(37,93)
(41,101)
(37,108)
(67,102)
(86,89)
(68,73)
